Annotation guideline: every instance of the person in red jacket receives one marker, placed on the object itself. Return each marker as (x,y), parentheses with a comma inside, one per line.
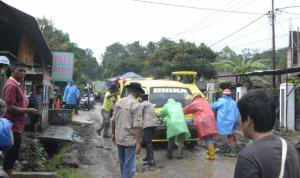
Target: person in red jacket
(204,121)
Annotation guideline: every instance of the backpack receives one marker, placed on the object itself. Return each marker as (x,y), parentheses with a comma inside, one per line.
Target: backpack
(6,134)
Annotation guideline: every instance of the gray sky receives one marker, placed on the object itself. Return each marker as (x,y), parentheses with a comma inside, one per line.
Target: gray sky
(96,24)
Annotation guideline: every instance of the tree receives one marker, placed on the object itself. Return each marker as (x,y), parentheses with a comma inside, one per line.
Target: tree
(172,56)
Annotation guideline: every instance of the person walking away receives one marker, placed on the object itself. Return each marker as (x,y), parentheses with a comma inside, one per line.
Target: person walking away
(269,155)
(126,129)
(149,126)
(204,121)
(51,95)
(77,101)
(14,97)
(71,96)
(105,111)
(227,119)
(177,130)
(4,64)
(37,99)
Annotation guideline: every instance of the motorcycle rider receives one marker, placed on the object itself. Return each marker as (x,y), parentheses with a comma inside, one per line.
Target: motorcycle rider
(88,94)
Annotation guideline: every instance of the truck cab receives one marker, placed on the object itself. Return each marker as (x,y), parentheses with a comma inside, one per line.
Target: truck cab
(159,92)
(189,79)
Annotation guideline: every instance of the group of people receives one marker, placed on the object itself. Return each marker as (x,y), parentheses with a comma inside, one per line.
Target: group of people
(72,95)
(255,112)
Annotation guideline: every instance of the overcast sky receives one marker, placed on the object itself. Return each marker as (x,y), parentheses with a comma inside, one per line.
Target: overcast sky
(96,24)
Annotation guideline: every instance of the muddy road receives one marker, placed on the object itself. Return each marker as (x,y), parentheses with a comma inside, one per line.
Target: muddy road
(99,156)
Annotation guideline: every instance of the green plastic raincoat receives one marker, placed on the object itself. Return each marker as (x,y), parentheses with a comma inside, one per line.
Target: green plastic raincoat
(176,123)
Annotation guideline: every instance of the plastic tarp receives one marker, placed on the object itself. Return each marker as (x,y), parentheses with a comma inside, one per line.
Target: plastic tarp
(110,81)
(176,123)
(71,93)
(227,115)
(204,118)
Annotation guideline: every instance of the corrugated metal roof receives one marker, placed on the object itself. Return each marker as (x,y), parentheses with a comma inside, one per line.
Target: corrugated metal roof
(267,72)
(29,24)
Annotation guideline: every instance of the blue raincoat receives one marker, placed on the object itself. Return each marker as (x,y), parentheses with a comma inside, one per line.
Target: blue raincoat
(227,115)
(71,93)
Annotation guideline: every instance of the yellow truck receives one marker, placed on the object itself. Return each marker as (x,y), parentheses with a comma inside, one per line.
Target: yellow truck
(159,92)
(189,79)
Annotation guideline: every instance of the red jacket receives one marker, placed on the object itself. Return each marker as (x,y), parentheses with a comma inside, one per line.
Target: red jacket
(204,118)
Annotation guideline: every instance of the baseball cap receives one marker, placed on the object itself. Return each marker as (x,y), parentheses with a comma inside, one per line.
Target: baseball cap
(4,60)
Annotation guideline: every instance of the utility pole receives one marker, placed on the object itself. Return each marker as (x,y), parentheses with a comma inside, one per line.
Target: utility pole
(273,46)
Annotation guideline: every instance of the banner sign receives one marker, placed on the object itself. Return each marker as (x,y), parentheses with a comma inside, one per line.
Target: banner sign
(170,90)
(62,66)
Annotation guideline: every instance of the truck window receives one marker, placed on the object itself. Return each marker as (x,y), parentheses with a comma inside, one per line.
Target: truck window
(125,92)
(159,96)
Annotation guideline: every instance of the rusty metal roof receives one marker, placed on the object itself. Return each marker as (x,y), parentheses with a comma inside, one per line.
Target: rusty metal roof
(29,24)
(267,72)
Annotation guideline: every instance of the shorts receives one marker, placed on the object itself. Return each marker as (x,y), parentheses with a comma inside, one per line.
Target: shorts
(11,154)
(36,119)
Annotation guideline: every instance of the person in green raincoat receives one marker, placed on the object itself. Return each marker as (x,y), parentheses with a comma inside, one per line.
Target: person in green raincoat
(177,129)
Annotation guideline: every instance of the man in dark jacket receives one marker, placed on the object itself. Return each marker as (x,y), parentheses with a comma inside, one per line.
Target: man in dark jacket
(149,126)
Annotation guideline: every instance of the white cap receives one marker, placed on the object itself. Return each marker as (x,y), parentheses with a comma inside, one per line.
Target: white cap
(4,60)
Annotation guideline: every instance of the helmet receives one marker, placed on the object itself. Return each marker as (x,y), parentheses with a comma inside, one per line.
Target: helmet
(196,95)
(85,88)
(6,138)
(4,60)
(226,92)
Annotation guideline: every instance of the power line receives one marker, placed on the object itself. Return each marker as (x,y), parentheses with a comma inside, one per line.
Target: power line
(206,17)
(247,34)
(289,6)
(257,41)
(196,7)
(217,20)
(238,30)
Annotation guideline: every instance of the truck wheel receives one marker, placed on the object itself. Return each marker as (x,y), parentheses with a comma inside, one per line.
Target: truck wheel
(190,144)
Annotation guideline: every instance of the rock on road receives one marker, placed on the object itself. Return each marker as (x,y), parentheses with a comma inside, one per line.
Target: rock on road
(99,156)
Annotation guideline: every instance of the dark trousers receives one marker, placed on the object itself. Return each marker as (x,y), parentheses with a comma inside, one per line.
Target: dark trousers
(148,132)
(50,103)
(11,154)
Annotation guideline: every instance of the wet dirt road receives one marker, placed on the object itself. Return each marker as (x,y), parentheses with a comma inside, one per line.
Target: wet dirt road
(98,156)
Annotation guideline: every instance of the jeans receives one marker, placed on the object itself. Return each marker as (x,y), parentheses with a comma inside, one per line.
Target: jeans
(148,132)
(127,159)
(208,140)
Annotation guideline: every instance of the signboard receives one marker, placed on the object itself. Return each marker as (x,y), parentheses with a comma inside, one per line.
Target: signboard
(170,90)
(62,66)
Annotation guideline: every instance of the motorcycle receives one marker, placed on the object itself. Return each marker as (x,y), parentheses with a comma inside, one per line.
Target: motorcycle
(92,102)
(85,102)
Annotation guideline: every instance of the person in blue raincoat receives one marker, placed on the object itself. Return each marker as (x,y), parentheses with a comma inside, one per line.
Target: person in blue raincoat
(227,118)
(71,96)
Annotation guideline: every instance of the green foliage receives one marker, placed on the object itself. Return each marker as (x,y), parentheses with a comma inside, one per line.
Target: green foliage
(74,124)
(241,65)
(224,81)
(219,90)
(70,173)
(263,79)
(57,157)
(294,81)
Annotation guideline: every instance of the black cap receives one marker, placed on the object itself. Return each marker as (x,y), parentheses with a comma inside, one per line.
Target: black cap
(144,96)
(135,85)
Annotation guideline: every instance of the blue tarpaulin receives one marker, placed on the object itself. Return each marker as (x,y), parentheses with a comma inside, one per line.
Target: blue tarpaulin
(110,81)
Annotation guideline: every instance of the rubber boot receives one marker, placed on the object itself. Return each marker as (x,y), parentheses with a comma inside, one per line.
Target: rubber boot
(146,158)
(73,112)
(211,152)
(232,150)
(150,161)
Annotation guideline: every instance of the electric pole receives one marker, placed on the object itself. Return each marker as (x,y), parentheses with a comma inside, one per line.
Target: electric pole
(273,46)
